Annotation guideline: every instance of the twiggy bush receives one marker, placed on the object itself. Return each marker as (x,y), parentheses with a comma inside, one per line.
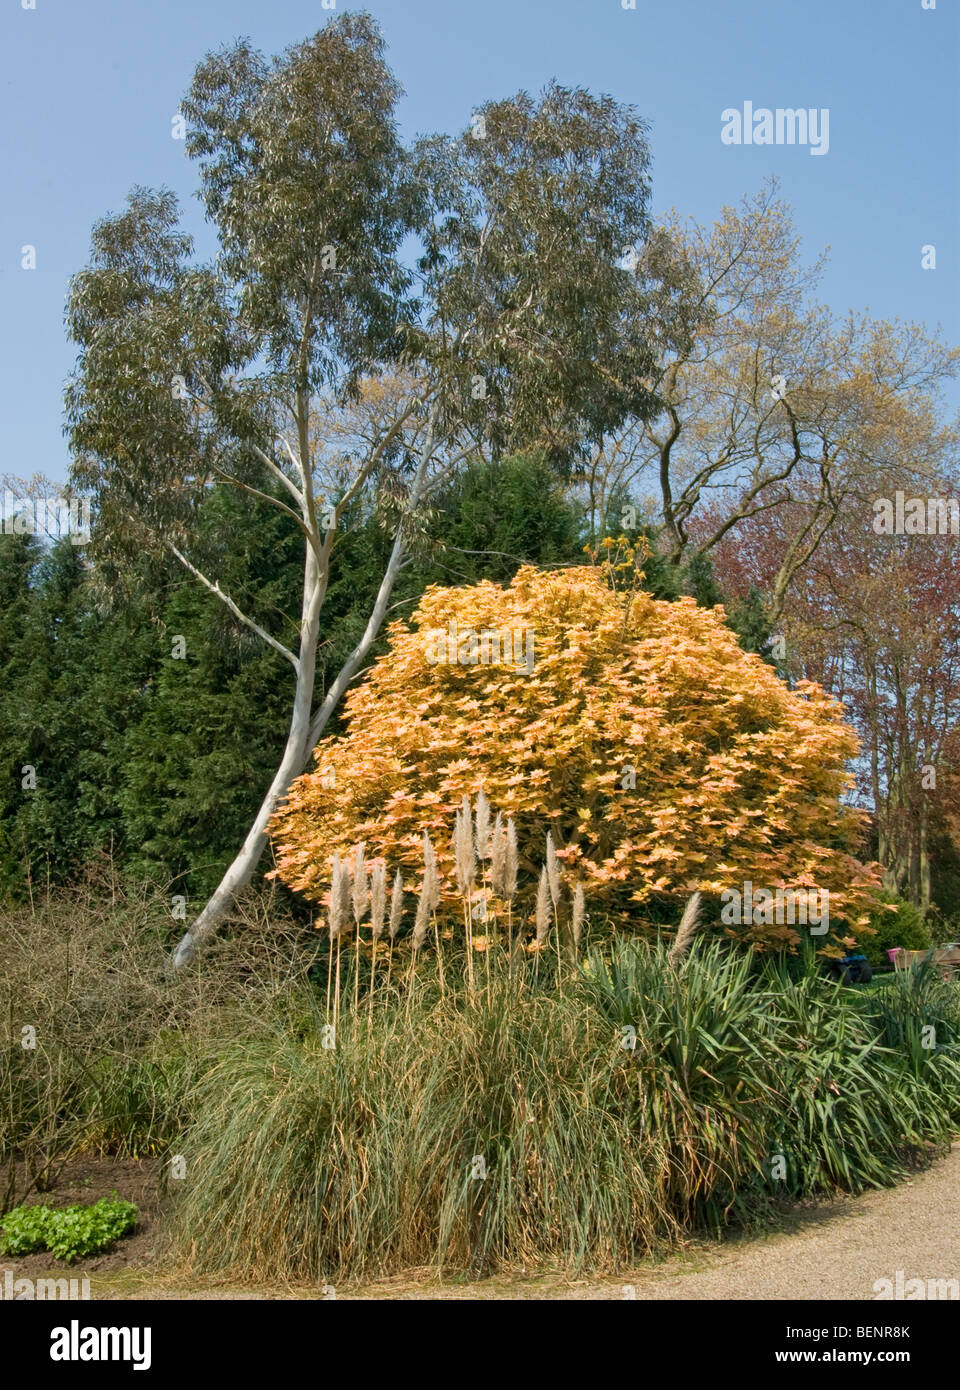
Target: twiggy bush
(100,1043)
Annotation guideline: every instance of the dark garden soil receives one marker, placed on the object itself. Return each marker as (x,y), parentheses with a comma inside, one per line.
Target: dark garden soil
(87,1179)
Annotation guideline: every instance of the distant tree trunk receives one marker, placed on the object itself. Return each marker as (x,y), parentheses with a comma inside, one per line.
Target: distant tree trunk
(924,865)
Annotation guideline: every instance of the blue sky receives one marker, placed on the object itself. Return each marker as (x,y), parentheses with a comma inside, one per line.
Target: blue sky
(90,88)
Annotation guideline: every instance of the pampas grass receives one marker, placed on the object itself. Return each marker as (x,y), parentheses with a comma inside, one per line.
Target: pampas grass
(510,866)
(335,1167)
(553,871)
(552,868)
(465,861)
(577,915)
(542,915)
(687,929)
(360,901)
(396,917)
(335,918)
(477,840)
(498,857)
(484,849)
(378,899)
(482,823)
(378,907)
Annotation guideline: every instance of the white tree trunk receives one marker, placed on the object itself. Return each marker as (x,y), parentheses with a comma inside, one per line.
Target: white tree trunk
(291,765)
(304,731)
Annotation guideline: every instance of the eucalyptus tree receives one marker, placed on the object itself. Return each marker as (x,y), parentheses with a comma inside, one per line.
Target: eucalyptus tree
(310,367)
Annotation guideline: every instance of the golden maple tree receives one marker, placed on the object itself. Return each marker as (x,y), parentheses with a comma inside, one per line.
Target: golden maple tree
(659,754)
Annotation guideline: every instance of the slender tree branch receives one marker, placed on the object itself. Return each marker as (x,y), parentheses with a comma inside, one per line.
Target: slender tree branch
(237,612)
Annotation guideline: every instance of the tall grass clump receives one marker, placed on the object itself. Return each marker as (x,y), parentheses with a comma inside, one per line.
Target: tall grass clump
(470,1129)
(460,1136)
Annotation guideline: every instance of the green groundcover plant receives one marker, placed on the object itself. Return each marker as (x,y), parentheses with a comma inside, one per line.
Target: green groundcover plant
(67,1232)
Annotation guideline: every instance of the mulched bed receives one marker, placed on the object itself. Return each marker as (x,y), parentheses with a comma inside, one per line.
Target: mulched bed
(84,1180)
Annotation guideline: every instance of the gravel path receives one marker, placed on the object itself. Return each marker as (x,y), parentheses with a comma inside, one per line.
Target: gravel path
(837,1251)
